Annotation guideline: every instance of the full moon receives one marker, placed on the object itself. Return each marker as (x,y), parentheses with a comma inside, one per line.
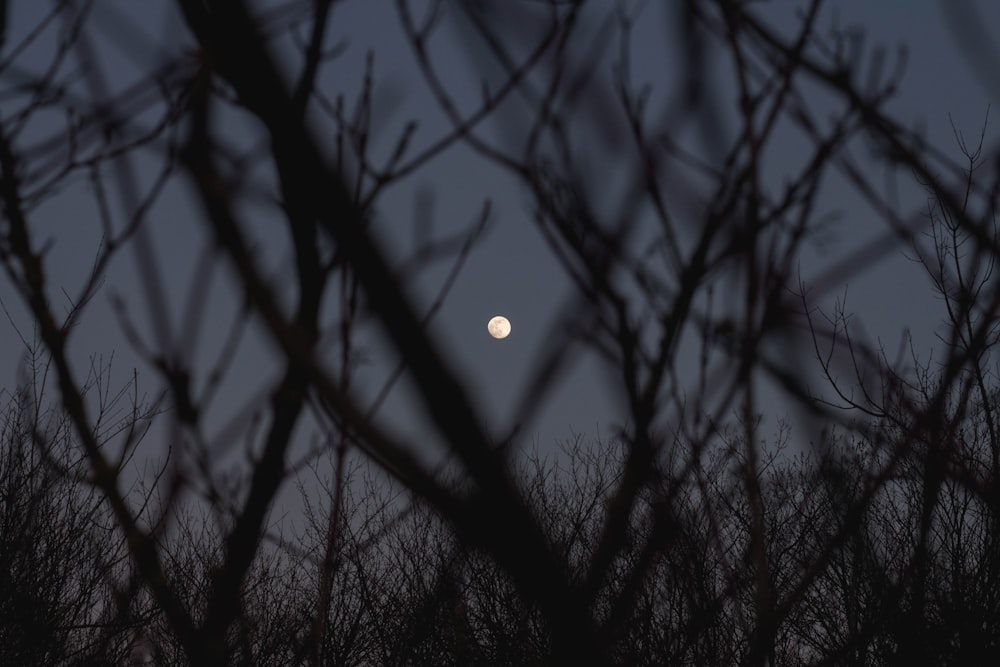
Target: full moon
(499,327)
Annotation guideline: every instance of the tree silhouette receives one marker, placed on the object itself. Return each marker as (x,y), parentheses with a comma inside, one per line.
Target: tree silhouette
(683,539)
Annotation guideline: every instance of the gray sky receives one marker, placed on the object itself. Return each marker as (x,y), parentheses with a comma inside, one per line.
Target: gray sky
(510,270)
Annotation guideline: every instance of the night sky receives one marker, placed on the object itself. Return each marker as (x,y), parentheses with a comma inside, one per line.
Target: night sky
(509,269)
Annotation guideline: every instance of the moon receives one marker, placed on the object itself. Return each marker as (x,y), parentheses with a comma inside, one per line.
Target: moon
(499,327)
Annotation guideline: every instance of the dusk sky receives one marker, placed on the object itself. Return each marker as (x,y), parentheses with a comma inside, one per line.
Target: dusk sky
(509,270)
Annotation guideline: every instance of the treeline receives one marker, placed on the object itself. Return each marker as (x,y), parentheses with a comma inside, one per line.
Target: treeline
(863,567)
